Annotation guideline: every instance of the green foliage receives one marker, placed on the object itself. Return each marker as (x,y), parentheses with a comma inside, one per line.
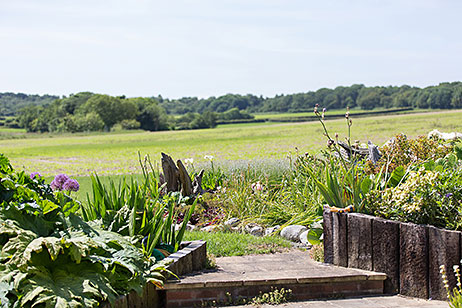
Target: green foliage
(213,177)
(281,197)
(444,96)
(344,183)
(130,124)
(274,297)
(94,112)
(402,151)
(317,252)
(234,114)
(50,257)
(151,116)
(429,193)
(196,121)
(137,208)
(11,103)
(454,295)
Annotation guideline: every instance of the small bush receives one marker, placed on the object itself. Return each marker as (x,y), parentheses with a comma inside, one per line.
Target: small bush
(403,151)
(317,252)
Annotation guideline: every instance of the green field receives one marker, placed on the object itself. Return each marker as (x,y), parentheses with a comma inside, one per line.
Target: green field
(116,153)
(285,115)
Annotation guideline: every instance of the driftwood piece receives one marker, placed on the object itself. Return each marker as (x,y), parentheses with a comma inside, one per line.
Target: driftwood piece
(171,173)
(372,152)
(185,180)
(197,184)
(178,179)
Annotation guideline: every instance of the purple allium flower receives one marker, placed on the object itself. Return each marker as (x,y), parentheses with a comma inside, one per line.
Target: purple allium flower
(35,174)
(59,180)
(71,185)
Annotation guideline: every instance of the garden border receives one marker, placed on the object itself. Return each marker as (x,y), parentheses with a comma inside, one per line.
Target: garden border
(409,254)
(192,257)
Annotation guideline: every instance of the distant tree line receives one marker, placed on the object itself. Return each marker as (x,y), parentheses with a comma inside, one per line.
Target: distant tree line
(11,103)
(443,96)
(87,111)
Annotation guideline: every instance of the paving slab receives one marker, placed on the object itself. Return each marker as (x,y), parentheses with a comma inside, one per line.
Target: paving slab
(363,302)
(249,276)
(290,267)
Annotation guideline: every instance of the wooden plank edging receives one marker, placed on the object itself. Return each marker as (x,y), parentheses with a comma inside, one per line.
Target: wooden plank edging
(408,253)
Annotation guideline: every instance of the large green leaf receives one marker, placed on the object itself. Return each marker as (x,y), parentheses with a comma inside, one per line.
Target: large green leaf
(396,176)
(314,236)
(67,286)
(366,185)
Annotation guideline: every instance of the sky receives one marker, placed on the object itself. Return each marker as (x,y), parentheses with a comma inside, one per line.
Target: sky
(203,48)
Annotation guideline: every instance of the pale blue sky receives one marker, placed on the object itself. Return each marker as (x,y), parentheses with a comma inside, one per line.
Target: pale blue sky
(213,47)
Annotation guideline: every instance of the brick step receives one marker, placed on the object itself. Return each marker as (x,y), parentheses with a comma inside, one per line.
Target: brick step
(226,292)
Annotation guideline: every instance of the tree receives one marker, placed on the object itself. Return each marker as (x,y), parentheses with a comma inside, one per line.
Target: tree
(150,115)
(369,99)
(109,108)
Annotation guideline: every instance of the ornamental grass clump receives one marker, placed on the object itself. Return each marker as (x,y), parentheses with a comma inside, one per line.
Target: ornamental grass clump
(139,209)
(343,183)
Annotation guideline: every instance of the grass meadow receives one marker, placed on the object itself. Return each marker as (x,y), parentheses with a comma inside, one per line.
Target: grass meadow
(117,153)
(353,112)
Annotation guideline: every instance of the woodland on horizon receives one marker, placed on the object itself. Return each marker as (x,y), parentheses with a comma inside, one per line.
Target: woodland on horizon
(86,111)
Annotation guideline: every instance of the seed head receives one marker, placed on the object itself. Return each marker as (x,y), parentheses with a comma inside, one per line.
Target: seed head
(71,185)
(58,181)
(35,174)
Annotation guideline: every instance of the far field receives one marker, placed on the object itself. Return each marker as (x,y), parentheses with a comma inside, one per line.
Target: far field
(116,153)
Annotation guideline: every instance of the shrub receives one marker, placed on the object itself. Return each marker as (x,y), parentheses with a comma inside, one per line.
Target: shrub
(402,151)
(50,256)
(429,193)
(130,124)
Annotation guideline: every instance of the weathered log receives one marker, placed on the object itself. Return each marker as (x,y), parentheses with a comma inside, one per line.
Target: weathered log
(177,178)
(372,152)
(185,180)
(171,173)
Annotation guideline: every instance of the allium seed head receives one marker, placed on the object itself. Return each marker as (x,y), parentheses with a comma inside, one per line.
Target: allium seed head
(71,185)
(59,180)
(35,174)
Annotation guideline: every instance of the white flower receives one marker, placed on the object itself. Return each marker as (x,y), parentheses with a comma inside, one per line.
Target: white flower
(189,161)
(257,186)
(209,157)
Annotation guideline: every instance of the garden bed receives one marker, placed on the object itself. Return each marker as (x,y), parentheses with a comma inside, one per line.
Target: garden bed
(408,253)
(192,257)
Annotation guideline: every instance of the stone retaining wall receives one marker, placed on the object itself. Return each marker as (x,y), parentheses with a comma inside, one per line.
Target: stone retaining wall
(409,254)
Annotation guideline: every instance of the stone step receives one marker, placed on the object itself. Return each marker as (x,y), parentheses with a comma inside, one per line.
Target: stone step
(246,277)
